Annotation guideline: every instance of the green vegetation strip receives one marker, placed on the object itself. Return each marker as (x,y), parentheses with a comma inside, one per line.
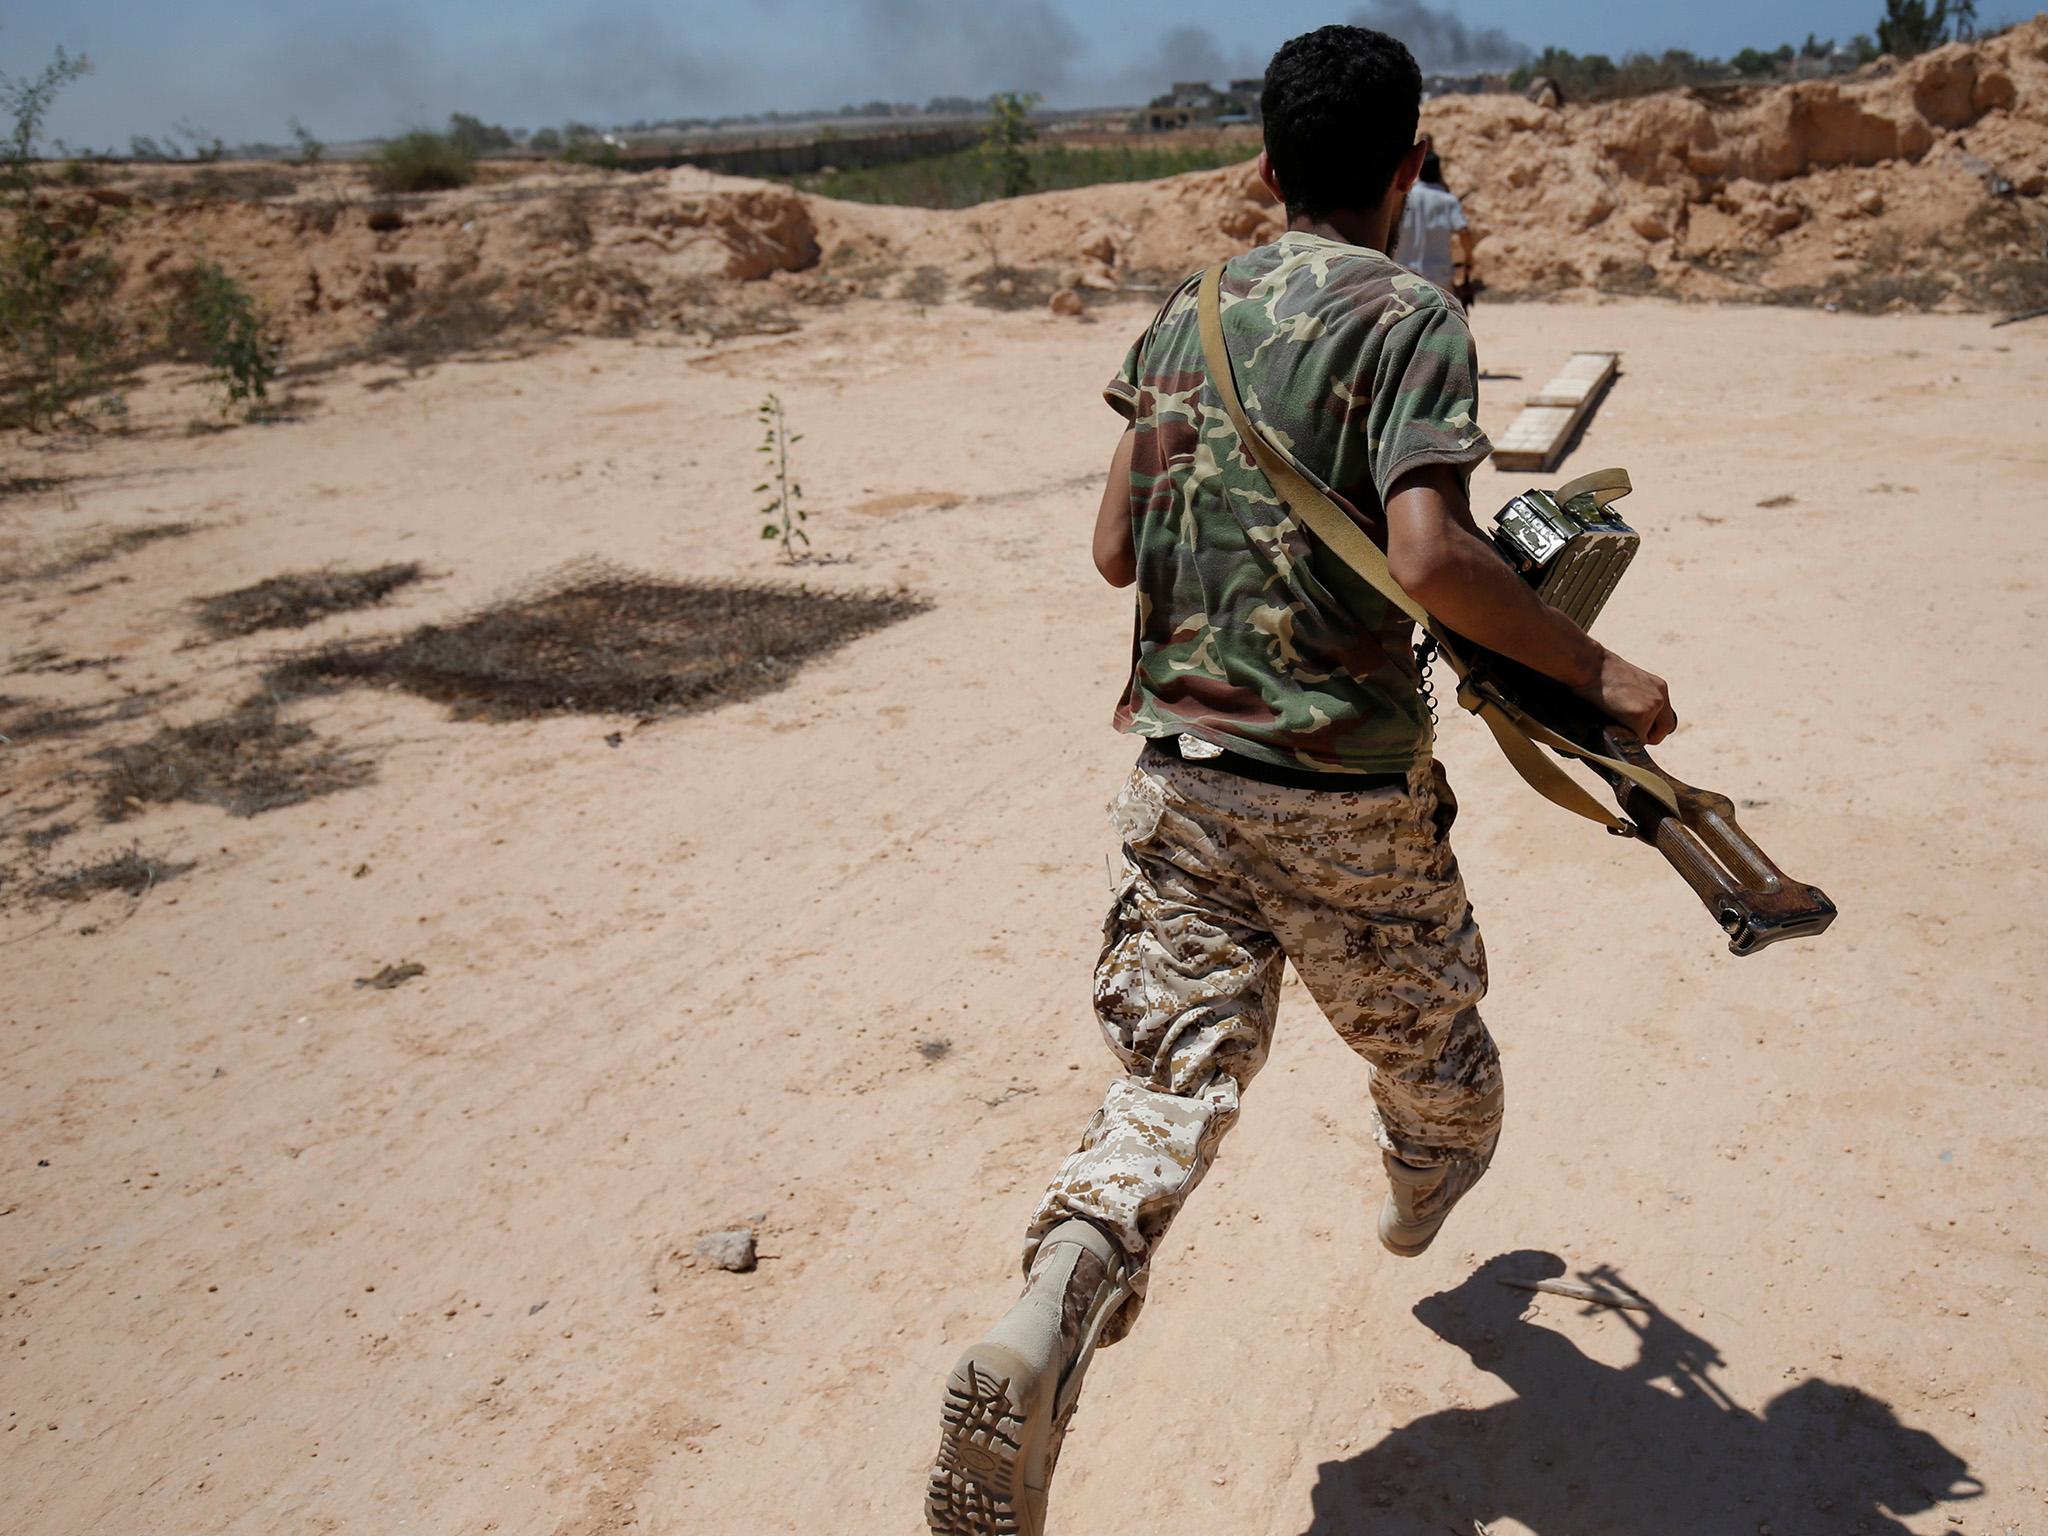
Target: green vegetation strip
(970,176)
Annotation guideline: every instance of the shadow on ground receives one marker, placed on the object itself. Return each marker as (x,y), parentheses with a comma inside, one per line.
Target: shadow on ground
(1585,1449)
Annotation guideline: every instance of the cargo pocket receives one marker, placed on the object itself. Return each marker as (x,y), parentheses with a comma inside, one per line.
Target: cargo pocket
(1122,989)
(1136,810)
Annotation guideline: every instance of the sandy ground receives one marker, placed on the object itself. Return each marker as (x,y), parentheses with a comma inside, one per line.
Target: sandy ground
(286,1255)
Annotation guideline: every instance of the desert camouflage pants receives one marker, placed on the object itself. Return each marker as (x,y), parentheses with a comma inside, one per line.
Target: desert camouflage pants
(1225,879)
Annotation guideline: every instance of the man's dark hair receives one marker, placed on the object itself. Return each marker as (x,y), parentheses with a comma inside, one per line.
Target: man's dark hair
(1432,170)
(1341,105)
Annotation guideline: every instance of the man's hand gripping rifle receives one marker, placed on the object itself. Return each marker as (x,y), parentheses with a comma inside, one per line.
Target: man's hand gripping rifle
(1572,549)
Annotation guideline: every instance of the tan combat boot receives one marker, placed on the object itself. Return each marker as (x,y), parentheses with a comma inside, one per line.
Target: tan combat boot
(1418,1199)
(1011,1397)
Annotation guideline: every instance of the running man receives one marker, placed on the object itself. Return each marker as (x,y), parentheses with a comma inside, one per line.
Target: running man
(1286,804)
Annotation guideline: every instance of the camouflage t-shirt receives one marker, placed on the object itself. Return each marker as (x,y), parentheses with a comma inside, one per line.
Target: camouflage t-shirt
(1250,635)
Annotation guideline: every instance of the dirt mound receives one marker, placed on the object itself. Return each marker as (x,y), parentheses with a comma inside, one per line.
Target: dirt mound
(1938,164)
(1723,193)
(1906,185)
(439,273)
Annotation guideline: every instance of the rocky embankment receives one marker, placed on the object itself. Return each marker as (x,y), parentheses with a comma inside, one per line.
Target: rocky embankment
(1906,186)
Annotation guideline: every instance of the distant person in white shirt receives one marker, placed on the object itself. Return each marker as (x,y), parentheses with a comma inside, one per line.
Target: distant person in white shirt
(1433,216)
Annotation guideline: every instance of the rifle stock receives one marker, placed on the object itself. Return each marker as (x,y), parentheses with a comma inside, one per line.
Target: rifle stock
(1755,902)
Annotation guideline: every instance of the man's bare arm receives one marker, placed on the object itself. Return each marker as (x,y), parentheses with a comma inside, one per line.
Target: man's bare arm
(1114,556)
(1440,558)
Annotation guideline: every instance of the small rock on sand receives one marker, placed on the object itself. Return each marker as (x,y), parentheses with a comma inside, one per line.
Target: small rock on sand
(1066,302)
(732,1250)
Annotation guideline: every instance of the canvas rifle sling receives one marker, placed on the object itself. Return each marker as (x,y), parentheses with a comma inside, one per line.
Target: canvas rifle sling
(1520,737)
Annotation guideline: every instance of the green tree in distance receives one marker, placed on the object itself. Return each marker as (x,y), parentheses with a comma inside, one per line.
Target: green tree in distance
(1009,129)
(1911,27)
(59,341)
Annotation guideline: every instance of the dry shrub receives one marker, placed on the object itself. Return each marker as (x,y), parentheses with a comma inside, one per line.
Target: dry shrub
(130,871)
(593,639)
(422,161)
(227,184)
(300,598)
(95,550)
(248,761)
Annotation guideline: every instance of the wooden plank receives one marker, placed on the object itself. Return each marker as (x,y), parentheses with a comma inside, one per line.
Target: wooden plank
(1535,439)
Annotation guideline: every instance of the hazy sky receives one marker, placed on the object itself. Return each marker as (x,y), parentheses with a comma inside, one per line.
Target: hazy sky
(241,68)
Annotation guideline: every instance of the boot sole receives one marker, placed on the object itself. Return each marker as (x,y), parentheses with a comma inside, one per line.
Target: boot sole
(984,1435)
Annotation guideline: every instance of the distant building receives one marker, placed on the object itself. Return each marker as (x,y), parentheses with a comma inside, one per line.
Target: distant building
(1807,66)
(1458,85)
(1198,103)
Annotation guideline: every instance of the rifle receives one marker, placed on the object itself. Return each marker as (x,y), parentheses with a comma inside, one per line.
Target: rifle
(1571,547)
(1573,551)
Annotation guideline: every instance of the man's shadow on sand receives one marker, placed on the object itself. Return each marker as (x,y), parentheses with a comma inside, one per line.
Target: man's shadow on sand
(1652,1449)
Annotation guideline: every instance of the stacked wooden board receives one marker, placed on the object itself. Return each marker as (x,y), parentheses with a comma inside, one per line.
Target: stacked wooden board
(1536,439)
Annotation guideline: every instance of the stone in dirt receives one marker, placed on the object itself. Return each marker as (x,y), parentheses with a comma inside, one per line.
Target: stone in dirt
(1098,244)
(392,976)
(732,1250)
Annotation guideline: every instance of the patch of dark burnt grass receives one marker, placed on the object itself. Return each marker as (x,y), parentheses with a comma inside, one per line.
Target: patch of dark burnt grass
(467,317)
(1865,292)
(715,320)
(97,549)
(2002,256)
(1631,279)
(47,658)
(248,761)
(1992,260)
(28,485)
(294,406)
(131,872)
(52,722)
(1004,287)
(926,285)
(49,835)
(593,639)
(299,598)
